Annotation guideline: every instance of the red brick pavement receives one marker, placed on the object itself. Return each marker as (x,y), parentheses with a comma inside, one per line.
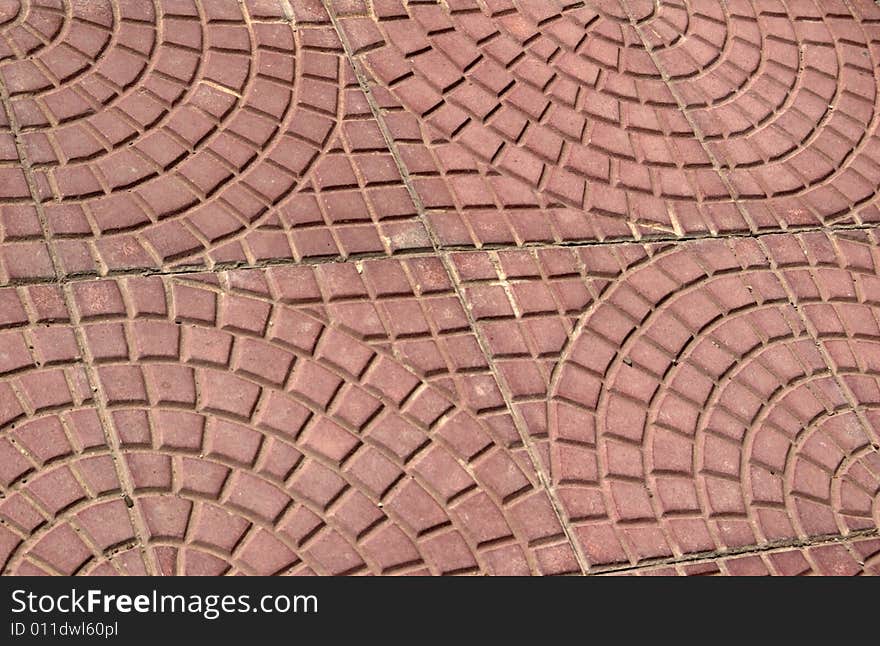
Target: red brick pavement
(479,286)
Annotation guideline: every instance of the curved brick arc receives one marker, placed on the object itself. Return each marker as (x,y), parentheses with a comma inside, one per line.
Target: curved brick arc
(608,398)
(698,398)
(551,121)
(723,396)
(785,97)
(252,437)
(197,132)
(261,421)
(536,121)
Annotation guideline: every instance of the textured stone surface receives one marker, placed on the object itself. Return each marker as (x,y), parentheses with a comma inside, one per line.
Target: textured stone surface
(471,287)
(550,121)
(191,133)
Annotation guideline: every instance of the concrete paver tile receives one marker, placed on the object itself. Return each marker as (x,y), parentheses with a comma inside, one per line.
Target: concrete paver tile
(200,134)
(255,436)
(462,287)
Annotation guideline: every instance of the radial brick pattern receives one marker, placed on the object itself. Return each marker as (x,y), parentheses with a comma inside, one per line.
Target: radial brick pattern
(715,395)
(251,436)
(463,287)
(550,121)
(187,132)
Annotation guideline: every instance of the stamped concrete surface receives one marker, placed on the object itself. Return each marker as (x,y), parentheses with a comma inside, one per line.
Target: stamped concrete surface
(456,287)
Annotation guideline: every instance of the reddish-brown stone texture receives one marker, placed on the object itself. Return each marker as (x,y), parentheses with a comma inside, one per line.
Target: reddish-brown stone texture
(465,287)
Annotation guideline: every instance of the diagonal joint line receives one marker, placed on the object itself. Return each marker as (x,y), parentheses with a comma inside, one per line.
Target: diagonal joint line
(519,422)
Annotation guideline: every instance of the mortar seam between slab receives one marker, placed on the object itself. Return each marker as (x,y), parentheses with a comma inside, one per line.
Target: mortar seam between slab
(317,261)
(765,548)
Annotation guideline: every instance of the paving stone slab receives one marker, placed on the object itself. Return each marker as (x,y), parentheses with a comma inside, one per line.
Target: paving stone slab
(548,121)
(637,402)
(693,397)
(188,133)
(461,287)
(252,431)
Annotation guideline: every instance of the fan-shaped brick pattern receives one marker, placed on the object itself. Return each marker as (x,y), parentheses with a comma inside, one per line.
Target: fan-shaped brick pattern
(373,287)
(549,121)
(785,98)
(536,122)
(192,132)
(235,432)
(693,398)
